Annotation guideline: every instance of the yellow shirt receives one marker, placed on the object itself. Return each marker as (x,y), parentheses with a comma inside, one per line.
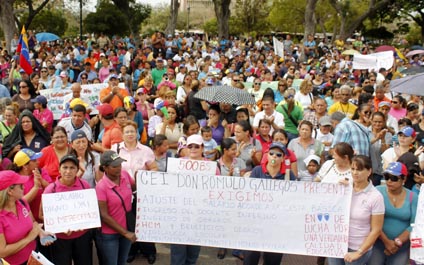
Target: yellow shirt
(347,109)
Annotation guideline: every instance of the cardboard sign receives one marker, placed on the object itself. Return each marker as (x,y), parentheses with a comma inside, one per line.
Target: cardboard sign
(306,218)
(73,210)
(191,166)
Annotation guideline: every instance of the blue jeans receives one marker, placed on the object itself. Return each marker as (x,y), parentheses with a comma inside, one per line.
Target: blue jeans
(114,248)
(361,261)
(378,256)
(184,254)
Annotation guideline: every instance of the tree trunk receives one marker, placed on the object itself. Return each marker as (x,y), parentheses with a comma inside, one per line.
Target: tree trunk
(7,21)
(347,29)
(172,21)
(222,12)
(310,18)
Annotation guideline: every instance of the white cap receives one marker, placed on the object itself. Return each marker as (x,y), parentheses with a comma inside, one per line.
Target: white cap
(310,158)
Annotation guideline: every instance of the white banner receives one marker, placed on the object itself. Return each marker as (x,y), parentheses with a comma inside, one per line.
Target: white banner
(56,100)
(73,210)
(191,166)
(278,47)
(306,218)
(373,61)
(417,233)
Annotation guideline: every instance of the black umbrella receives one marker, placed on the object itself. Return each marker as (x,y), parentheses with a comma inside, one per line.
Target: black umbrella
(225,94)
(411,85)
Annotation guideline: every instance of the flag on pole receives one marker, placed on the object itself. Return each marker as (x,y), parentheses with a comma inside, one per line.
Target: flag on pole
(24,52)
(278,47)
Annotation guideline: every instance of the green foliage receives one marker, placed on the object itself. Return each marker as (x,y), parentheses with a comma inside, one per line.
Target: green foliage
(250,15)
(138,14)
(157,19)
(211,27)
(378,33)
(52,21)
(287,15)
(107,19)
(414,35)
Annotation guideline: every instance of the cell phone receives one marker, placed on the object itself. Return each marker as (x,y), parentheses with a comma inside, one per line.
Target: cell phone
(47,239)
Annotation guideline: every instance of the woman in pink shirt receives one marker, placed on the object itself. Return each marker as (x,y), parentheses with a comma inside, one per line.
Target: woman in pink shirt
(18,229)
(114,194)
(398,109)
(104,70)
(72,247)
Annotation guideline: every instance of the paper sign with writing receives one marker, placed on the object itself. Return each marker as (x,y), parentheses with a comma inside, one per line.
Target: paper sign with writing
(191,166)
(306,218)
(73,210)
(56,100)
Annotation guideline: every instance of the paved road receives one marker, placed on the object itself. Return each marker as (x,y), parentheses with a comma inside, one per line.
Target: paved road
(208,257)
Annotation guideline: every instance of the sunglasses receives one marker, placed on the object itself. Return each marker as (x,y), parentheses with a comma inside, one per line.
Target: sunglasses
(83,77)
(391,177)
(395,102)
(44,71)
(277,154)
(195,146)
(367,112)
(257,84)
(236,80)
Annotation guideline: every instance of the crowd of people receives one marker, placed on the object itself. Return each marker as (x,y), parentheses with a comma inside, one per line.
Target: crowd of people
(315,119)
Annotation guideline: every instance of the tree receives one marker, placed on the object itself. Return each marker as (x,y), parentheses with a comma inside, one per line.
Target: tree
(173,15)
(8,18)
(411,10)
(310,21)
(222,12)
(52,21)
(133,19)
(107,19)
(251,15)
(353,13)
(287,15)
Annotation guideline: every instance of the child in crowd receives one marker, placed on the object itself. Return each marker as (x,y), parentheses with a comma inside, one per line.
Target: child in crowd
(159,106)
(210,145)
(324,135)
(312,163)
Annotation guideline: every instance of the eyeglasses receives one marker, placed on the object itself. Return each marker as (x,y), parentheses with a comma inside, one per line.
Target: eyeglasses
(391,177)
(394,102)
(280,85)
(195,146)
(275,154)
(44,71)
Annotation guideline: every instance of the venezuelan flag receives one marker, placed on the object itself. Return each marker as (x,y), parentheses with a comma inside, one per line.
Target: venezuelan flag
(24,52)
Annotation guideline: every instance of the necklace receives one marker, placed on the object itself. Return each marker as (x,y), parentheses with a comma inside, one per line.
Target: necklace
(395,198)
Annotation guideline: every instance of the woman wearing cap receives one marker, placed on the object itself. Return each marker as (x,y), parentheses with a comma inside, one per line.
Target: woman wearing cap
(114,194)
(18,229)
(269,170)
(71,247)
(392,246)
(338,169)
(406,140)
(26,93)
(248,148)
(133,113)
(54,152)
(42,113)
(25,164)
(366,216)
(28,133)
(188,254)
(88,159)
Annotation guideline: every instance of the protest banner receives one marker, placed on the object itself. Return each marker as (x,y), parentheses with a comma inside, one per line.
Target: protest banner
(58,100)
(191,166)
(73,210)
(306,218)
(417,233)
(373,62)
(278,47)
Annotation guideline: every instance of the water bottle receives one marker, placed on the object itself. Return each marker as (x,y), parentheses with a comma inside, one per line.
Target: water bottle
(236,172)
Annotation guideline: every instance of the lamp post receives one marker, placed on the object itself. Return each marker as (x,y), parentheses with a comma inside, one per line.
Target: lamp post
(188,19)
(80,2)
